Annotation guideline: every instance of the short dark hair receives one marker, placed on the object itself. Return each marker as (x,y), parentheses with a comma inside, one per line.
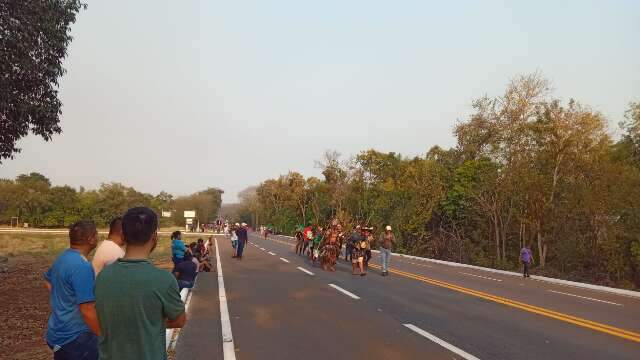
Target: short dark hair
(81,231)
(138,225)
(175,235)
(115,226)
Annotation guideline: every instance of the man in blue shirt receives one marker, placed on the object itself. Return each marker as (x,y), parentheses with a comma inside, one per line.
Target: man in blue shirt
(527,258)
(73,324)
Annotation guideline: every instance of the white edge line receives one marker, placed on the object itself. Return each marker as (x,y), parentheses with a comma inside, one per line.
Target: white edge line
(348,293)
(444,344)
(305,271)
(586,298)
(482,277)
(263,249)
(606,289)
(228,348)
(285,260)
(270,253)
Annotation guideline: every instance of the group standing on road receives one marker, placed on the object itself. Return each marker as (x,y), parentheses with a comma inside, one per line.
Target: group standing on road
(325,246)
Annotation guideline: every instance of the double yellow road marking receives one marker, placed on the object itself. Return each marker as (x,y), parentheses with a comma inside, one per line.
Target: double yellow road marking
(625,334)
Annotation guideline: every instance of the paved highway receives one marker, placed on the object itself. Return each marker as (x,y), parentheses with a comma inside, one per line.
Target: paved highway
(281,307)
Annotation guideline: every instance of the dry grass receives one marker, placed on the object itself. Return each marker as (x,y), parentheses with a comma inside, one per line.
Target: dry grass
(50,245)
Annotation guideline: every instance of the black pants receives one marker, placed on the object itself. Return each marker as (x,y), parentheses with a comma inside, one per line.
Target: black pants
(84,347)
(348,252)
(367,257)
(525,272)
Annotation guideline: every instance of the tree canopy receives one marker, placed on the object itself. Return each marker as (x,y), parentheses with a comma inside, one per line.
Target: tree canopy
(34,36)
(527,169)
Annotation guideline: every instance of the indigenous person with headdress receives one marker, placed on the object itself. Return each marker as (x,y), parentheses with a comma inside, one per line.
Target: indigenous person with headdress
(330,247)
(352,242)
(358,252)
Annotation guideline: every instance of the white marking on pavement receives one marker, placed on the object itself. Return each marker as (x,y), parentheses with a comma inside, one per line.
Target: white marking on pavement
(263,249)
(270,253)
(348,293)
(228,349)
(444,344)
(482,277)
(305,271)
(587,298)
(285,260)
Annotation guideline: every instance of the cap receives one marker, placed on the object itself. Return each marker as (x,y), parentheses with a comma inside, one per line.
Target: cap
(244,224)
(237,224)
(388,228)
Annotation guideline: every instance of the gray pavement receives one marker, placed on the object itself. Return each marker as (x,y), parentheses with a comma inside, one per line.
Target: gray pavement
(278,311)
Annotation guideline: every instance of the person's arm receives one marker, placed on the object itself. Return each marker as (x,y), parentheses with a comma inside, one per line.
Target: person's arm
(178,322)
(83,282)
(90,317)
(173,307)
(48,285)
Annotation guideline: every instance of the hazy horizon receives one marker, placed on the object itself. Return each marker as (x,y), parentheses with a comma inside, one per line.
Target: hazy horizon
(181,96)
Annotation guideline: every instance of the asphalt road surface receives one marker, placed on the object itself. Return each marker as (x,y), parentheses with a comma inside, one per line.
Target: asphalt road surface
(282,307)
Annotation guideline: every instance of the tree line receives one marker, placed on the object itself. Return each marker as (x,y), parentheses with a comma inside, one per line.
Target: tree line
(32,199)
(527,169)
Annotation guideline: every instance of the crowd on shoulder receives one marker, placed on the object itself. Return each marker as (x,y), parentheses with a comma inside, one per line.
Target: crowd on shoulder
(325,246)
(119,305)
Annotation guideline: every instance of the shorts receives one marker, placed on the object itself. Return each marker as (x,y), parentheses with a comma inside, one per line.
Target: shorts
(234,243)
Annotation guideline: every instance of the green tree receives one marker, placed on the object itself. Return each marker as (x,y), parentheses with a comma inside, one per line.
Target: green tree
(35,36)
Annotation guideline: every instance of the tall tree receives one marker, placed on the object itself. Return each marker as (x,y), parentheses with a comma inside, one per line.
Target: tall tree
(34,36)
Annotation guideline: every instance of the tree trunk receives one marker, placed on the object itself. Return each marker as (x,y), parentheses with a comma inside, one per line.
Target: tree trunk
(542,248)
(497,235)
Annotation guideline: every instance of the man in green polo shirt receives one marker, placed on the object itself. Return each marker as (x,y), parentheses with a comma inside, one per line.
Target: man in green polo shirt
(136,301)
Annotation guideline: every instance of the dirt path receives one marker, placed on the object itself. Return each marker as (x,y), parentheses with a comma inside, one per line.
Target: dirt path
(24,308)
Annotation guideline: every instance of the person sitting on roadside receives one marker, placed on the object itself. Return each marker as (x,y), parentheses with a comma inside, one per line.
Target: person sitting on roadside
(186,272)
(137,302)
(177,248)
(73,329)
(111,249)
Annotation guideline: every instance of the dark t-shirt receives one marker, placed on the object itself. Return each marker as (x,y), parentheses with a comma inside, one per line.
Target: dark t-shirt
(187,270)
(133,301)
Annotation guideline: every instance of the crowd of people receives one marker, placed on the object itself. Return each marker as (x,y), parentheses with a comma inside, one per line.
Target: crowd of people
(118,305)
(325,246)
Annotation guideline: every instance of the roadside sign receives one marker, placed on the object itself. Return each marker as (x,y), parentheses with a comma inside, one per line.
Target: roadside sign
(189,221)
(166,214)
(189,213)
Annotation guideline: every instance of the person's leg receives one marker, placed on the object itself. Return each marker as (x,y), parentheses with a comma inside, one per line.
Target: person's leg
(384,253)
(368,257)
(361,262)
(240,249)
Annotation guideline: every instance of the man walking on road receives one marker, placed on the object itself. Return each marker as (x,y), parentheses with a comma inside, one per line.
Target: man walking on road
(387,240)
(137,302)
(242,240)
(527,258)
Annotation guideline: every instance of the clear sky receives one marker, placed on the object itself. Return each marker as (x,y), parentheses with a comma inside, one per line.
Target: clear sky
(183,95)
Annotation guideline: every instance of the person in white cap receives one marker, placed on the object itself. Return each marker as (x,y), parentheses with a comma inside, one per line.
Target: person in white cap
(387,240)
(242,240)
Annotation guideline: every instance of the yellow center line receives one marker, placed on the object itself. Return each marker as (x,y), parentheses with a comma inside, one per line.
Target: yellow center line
(626,334)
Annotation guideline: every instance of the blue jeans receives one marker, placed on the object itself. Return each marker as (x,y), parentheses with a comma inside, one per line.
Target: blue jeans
(84,347)
(240,248)
(386,256)
(184,284)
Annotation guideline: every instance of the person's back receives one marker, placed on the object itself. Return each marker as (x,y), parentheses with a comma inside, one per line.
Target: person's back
(178,248)
(136,301)
(133,300)
(110,249)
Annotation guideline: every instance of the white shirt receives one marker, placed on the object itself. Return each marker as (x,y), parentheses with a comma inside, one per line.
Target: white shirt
(107,253)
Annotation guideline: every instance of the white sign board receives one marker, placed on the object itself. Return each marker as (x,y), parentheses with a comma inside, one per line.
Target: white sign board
(189,214)
(166,214)
(189,221)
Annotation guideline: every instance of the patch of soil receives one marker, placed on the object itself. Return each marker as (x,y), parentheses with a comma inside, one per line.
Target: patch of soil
(24,308)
